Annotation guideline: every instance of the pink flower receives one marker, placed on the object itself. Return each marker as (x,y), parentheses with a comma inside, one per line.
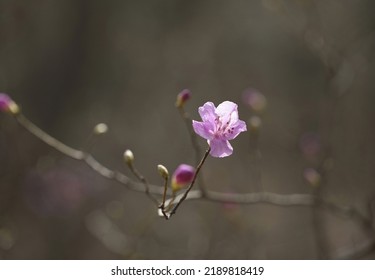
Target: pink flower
(219,125)
(182,176)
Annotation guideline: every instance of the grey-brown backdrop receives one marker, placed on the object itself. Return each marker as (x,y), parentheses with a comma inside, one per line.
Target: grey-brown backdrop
(71,64)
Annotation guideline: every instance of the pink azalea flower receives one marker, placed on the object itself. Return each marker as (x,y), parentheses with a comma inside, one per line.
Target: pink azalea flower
(219,125)
(182,176)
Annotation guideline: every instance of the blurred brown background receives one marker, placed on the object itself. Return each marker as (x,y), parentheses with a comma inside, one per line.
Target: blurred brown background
(72,64)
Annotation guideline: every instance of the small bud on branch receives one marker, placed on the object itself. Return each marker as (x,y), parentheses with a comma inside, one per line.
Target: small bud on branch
(163,171)
(100,128)
(7,105)
(128,157)
(182,97)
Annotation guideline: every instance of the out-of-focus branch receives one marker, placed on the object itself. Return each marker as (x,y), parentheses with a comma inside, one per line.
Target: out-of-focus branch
(333,59)
(359,251)
(85,157)
(49,140)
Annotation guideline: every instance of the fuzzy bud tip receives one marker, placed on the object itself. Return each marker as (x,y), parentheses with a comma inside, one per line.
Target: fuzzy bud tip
(182,97)
(129,157)
(163,171)
(8,105)
(255,100)
(100,128)
(182,176)
(312,177)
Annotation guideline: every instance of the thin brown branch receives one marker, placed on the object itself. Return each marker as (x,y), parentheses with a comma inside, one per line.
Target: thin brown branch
(89,160)
(184,196)
(263,197)
(162,205)
(143,179)
(281,200)
(49,140)
(359,251)
(194,142)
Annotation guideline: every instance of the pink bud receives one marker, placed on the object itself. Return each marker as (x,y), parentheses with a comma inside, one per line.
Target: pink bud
(182,176)
(254,99)
(7,104)
(312,176)
(5,100)
(182,97)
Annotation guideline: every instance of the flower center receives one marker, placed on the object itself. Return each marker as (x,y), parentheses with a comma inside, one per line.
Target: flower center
(223,129)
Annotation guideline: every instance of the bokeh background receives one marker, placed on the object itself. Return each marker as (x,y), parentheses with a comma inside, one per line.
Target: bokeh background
(72,64)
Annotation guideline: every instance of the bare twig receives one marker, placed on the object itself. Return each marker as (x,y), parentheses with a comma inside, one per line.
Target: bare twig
(165,175)
(281,200)
(359,251)
(187,120)
(49,140)
(192,182)
(143,179)
(90,160)
(194,142)
(97,131)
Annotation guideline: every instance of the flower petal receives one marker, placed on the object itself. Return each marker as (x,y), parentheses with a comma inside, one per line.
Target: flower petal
(220,148)
(226,107)
(238,127)
(203,130)
(207,112)
(228,112)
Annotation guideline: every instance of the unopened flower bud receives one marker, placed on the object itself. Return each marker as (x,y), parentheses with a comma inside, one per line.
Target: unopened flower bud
(182,176)
(182,97)
(100,128)
(128,157)
(312,176)
(163,171)
(255,100)
(8,105)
